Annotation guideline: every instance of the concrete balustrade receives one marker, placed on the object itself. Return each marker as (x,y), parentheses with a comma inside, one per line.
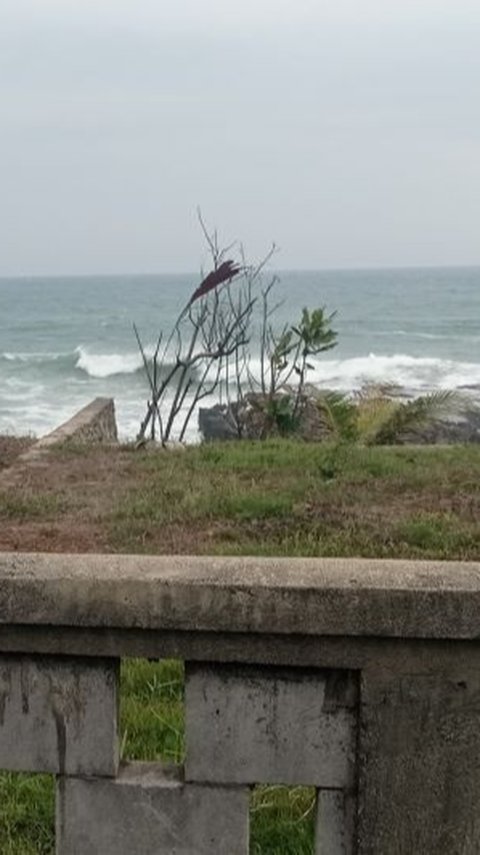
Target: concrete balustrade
(360,678)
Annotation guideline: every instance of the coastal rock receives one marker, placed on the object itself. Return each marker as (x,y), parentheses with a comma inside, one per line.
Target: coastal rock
(218,422)
(464,429)
(249,420)
(252,418)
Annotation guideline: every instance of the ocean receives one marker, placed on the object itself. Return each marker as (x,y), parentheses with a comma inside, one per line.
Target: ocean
(66,340)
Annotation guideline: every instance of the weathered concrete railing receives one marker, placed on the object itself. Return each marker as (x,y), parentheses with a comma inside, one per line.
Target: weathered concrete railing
(359,677)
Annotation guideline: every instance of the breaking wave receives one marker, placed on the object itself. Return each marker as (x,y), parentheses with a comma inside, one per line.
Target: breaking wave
(95,365)
(98,366)
(416,374)
(101,365)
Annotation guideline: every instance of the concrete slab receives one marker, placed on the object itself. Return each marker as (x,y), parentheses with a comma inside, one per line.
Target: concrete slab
(419,749)
(146,811)
(58,715)
(275,726)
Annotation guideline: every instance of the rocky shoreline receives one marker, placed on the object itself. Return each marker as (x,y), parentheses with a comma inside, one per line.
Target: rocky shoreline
(217,423)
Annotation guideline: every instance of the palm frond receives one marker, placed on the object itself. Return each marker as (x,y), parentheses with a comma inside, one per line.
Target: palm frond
(338,415)
(391,421)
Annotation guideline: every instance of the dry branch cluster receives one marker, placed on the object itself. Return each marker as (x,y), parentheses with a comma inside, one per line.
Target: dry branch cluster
(209,350)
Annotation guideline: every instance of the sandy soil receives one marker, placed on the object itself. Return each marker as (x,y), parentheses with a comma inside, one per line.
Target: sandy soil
(11,447)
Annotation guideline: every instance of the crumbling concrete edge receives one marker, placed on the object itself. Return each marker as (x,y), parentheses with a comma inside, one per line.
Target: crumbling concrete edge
(94,423)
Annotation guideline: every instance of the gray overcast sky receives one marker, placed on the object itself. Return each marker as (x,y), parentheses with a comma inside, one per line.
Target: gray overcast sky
(346,131)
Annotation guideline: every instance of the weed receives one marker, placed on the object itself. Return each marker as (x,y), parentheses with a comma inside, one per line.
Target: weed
(27,506)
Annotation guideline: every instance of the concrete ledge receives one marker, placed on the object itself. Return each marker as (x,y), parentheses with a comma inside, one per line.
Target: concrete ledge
(320,597)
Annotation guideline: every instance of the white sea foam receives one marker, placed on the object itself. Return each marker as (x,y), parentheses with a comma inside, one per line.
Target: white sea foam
(409,334)
(101,365)
(33,357)
(414,373)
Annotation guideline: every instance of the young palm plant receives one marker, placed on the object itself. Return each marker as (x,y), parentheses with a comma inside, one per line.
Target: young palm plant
(386,421)
(375,417)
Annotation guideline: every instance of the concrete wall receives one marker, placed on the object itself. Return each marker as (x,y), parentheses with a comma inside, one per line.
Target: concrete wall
(360,678)
(94,423)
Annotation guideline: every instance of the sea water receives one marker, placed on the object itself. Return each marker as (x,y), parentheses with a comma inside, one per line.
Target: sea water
(66,340)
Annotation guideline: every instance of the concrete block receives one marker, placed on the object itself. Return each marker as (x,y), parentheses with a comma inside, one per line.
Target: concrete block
(247,724)
(58,715)
(147,810)
(335,823)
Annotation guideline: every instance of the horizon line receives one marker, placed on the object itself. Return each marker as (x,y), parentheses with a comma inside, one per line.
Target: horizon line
(276,270)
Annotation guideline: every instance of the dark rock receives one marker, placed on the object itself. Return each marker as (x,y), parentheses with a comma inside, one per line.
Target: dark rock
(252,418)
(217,422)
(464,429)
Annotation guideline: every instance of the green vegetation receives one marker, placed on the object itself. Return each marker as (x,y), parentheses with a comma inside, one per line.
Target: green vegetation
(26,814)
(277,497)
(151,710)
(26,507)
(374,417)
(282,821)
(287,498)
(211,343)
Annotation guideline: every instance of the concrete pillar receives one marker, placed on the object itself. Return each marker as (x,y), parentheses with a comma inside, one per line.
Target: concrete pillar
(419,754)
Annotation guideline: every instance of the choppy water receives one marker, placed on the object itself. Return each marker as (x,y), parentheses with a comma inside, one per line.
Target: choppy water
(66,340)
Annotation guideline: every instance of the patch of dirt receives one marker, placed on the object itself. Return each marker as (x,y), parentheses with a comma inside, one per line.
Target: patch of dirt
(196,538)
(68,535)
(11,447)
(83,486)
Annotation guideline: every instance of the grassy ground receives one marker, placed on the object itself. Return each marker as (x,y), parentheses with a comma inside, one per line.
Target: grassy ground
(273,498)
(293,499)
(281,498)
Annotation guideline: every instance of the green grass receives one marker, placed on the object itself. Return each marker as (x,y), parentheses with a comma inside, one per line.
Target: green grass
(26,814)
(280,497)
(151,710)
(291,498)
(27,507)
(282,821)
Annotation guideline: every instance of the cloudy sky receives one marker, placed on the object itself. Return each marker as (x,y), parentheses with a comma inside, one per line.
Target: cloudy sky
(348,132)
